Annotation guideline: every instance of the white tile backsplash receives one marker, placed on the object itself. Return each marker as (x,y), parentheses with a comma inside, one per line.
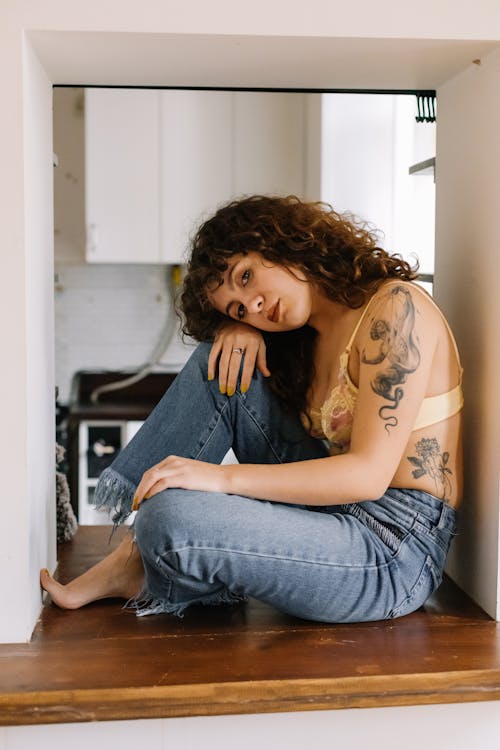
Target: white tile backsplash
(111,316)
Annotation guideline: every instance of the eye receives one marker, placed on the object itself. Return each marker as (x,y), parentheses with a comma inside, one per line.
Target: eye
(240,312)
(245,277)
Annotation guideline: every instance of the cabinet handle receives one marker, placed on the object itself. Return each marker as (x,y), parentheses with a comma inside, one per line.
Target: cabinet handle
(101,450)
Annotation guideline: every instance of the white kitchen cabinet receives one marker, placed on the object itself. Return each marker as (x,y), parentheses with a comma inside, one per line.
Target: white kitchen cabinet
(269,141)
(158,162)
(195,163)
(122,175)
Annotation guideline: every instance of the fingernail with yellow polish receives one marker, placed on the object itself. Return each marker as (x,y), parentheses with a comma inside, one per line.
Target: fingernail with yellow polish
(244,388)
(222,390)
(230,392)
(210,377)
(135,503)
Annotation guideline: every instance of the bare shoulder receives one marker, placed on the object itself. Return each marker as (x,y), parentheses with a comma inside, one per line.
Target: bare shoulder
(396,345)
(397,290)
(403,315)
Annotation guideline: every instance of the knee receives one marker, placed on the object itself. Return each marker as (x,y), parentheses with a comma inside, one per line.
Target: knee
(196,367)
(169,520)
(150,524)
(199,357)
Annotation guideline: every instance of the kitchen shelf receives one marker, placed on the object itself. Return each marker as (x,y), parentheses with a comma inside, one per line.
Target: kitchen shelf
(426,167)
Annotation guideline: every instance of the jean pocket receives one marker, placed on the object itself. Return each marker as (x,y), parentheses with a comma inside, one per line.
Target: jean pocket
(390,534)
(441,538)
(427,582)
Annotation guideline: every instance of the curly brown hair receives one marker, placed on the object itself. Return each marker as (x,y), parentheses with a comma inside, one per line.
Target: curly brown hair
(334,251)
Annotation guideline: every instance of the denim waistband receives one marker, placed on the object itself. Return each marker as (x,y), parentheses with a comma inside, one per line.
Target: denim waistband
(441,514)
(404,506)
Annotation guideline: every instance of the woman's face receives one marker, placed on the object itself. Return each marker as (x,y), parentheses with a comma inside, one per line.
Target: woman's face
(269,297)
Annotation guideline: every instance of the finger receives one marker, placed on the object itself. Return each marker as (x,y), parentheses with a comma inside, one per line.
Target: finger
(152,476)
(248,369)
(167,476)
(212,359)
(233,371)
(262,360)
(159,486)
(224,364)
(149,479)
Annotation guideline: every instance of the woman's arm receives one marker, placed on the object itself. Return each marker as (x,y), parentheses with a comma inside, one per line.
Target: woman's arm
(237,336)
(395,345)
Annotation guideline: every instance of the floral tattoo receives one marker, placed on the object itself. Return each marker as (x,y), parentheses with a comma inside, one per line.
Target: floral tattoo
(432,462)
(398,352)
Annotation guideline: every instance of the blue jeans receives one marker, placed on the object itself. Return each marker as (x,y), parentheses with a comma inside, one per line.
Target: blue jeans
(340,563)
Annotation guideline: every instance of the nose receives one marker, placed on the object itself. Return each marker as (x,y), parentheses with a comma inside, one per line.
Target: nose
(255,304)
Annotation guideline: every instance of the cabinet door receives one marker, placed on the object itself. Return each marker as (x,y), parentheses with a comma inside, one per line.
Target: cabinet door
(122,175)
(269,144)
(195,164)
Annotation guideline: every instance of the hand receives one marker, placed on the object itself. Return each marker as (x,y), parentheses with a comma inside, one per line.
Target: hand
(175,471)
(237,336)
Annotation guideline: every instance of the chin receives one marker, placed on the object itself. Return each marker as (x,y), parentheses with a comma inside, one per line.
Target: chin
(284,327)
(298,321)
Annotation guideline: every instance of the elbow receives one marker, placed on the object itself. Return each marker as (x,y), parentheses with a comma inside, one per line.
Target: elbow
(375,491)
(372,485)
(371,477)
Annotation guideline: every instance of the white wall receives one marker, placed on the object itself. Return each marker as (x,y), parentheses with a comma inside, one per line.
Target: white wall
(14,553)
(27,323)
(39,230)
(468,287)
(437,727)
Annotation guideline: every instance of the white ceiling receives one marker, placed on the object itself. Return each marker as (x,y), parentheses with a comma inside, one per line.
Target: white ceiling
(107,58)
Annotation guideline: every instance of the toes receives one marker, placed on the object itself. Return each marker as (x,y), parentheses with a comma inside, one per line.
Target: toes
(45,577)
(59,595)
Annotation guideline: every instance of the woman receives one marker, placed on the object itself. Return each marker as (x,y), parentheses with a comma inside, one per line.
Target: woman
(344,501)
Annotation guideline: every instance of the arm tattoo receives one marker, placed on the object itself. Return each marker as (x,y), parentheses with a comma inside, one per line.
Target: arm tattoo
(432,462)
(397,350)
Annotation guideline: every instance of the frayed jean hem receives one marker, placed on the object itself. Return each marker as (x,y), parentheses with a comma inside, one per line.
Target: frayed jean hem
(114,493)
(145,604)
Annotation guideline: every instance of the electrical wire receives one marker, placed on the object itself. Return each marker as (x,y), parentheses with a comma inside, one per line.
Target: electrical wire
(166,336)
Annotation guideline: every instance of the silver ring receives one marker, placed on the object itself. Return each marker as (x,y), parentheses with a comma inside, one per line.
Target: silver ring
(239,350)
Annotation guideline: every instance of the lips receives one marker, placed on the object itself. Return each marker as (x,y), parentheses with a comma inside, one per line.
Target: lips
(274,312)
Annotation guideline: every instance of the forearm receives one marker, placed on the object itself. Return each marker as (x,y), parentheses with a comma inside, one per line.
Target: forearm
(321,481)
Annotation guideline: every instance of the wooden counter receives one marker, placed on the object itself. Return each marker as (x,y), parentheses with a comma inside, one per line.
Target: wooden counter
(102,663)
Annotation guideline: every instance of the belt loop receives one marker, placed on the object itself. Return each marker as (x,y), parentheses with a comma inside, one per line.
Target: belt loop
(447,518)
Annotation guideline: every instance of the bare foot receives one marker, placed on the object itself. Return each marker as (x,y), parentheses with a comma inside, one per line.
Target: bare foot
(120,574)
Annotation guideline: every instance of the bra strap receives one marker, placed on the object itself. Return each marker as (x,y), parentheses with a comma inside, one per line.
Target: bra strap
(357,326)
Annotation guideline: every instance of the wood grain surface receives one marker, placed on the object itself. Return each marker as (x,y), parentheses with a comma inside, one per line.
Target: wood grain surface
(102,662)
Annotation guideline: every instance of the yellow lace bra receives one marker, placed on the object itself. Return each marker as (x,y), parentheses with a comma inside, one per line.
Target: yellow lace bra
(333,420)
